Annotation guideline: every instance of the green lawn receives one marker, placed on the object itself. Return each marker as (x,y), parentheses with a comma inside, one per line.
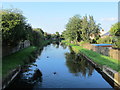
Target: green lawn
(12,61)
(96,57)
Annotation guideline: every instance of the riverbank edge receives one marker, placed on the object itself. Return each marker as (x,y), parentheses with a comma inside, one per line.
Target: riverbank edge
(109,72)
(16,71)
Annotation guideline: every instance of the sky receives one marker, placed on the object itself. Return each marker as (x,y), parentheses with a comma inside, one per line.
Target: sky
(53,16)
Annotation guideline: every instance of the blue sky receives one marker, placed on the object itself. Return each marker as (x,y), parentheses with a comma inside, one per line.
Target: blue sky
(53,16)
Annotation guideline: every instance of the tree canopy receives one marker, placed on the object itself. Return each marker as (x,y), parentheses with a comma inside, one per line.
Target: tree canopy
(14,26)
(115,32)
(115,29)
(83,28)
(16,29)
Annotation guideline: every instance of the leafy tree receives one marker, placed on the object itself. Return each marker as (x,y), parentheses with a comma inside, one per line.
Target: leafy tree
(15,29)
(115,29)
(47,36)
(57,35)
(89,28)
(107,40)
(13,26)
(38,36)
(85,35)
(73,28)
(78,29)
(115,32)
(28,32)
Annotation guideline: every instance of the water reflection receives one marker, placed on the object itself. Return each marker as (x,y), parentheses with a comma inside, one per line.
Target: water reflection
(56,44)
(63,45)
(50,70)
(28,79)
(78,65)
(30,74)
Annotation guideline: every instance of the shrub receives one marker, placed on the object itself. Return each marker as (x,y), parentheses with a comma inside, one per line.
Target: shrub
(116,42)
(106,39)
(82,43)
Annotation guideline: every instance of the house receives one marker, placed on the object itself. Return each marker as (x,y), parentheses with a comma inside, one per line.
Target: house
(103,34)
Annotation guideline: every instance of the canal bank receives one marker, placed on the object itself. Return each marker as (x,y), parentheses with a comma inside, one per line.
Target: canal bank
(60,67)
(13,64)
(108,74)
(107,66)
(11,73)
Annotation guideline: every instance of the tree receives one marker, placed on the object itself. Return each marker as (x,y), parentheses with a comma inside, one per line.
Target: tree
(73,28)
(85,35)
(89,28)
(115,32)
(47,36)
(13,26)
(78,29)
(38,36)
(57,35)
(115,29)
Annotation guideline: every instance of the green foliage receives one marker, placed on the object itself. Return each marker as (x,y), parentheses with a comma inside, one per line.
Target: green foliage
(78,29)
(115,32)
(38,36)
(96,57)
(12,61)
(107,40)
(57,35)
(116,41)
(73,28)
(47,36)
(82,43)
(15,29)
(13,26)
(89,28)
(115,29)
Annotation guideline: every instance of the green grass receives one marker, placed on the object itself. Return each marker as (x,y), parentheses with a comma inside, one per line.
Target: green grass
(96,57)
(12,61)
(66,42)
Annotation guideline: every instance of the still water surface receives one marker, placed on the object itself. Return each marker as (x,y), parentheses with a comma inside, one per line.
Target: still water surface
(58,67)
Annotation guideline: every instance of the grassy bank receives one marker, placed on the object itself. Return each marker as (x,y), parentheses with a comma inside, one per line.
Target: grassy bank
(12,61)
(96,57)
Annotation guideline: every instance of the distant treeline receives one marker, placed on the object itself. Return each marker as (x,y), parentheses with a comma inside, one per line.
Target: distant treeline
(15,29)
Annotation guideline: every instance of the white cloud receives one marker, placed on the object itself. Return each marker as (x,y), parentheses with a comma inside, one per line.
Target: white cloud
(109,19)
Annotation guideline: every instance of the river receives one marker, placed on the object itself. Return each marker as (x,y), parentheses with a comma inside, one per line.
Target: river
(57,66)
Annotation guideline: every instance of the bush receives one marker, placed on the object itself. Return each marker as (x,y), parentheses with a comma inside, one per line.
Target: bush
(82,43)
(116,42)
(106,39)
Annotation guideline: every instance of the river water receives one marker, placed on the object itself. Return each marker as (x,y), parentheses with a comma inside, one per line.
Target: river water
(57,66)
